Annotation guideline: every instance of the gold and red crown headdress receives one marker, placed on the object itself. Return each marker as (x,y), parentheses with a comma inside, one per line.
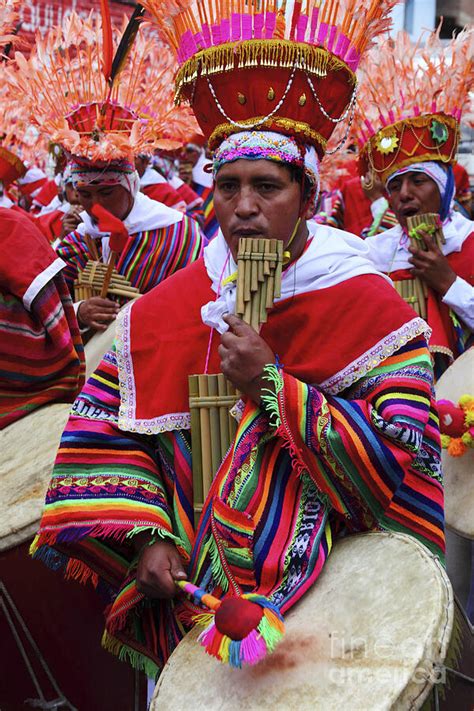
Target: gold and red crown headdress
(98,98)
(251,64)
(411,100)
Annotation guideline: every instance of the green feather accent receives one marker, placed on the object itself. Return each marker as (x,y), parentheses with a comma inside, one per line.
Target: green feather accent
(414,233)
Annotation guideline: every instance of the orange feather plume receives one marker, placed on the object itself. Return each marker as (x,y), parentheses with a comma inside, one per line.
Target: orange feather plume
(107,42)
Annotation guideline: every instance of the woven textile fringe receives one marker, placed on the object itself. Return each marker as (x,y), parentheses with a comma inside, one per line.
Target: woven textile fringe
(270,53)
(127,654)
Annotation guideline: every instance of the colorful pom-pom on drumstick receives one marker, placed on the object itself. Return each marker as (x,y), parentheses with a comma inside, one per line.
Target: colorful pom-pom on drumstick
(242,630)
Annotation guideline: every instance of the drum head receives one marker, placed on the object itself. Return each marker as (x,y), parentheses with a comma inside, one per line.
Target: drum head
(458,472)
(365,636)
(28,449)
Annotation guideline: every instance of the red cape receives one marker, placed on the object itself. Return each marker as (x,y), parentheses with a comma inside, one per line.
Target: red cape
(51,224)
(330,337)
(164,193)
(26,252)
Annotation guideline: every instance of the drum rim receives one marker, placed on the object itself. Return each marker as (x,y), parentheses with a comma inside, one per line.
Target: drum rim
(442,628)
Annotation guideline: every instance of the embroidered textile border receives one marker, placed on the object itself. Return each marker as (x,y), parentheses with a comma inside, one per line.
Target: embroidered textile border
(375,355)
(182,420)
(128,402)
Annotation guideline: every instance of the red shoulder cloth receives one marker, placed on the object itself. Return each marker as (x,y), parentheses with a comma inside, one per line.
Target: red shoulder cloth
(51,224)
(26,253)
(162,192)
(329,337)
(443,337)
(357,214)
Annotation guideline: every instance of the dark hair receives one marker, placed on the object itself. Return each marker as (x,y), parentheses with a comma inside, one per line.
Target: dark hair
(298,176)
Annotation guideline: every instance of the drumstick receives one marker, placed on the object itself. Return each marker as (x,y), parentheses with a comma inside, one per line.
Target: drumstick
(242,630)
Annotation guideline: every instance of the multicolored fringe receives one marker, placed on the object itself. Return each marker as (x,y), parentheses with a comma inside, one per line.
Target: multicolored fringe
(253,647)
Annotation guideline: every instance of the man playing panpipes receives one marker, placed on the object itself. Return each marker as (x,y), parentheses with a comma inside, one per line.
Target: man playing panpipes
(161,239)
(337,429)
(411,150)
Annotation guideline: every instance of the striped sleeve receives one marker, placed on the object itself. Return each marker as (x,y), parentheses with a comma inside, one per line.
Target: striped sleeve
(41,352)
(384,221)
(374,454)
(73,251)
(152,256)
(331,210)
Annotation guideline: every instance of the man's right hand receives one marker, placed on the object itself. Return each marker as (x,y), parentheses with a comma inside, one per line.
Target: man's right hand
(97,313)
(372,186)
(159,566)
(71,220)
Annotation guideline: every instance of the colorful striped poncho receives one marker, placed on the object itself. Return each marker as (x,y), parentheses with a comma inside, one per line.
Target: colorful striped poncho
(148,257)
(211,226)
(330,209)
(41,352)
(361,453)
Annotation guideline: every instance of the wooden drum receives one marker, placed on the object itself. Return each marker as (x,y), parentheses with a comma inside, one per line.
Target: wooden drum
(373,633)
(48,624)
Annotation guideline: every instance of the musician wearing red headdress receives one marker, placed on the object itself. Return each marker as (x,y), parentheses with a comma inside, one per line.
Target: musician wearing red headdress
(413,158)
(161,239)
(337,430)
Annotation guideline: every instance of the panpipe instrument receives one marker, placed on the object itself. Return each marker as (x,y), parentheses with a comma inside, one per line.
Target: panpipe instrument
(428,222)
(212,397)
(90,282)
(414,292)
(259,265)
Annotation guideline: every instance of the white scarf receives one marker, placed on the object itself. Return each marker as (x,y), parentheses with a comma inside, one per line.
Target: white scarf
(55,204)
(5,201)
(333,256)
(199,174)
(151,177)
(146,214)
(389,250)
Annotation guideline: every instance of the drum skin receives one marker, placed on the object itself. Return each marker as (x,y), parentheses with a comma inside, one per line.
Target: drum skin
(365,637)
(27,451)
(458,472)
(64,618)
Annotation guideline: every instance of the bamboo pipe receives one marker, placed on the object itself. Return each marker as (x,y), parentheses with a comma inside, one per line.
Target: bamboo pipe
(223,415)
(108,274)
(214,422)
(196,449)
(205,437)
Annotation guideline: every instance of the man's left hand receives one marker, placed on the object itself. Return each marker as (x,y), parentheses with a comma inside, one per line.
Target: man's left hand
(432,266)
(243,356)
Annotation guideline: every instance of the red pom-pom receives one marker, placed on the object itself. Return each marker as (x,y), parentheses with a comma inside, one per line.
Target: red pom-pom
(451,418)
(236,617)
